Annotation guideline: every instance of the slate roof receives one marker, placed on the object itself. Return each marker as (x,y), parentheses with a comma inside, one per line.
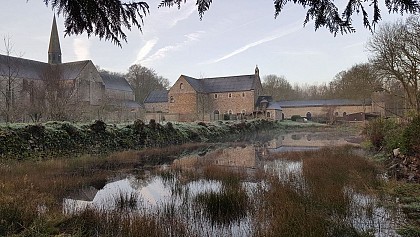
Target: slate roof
(72,70)
(317,103)
(30,69)
(114,82)
(222,84)
(160,96)
(274,105)
(23,68)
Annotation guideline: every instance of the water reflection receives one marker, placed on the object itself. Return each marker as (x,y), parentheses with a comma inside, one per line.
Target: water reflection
(162,191)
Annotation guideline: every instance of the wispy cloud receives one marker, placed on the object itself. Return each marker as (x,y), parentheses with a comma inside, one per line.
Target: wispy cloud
(355,45)
(272,37)
(186,10)
(144,51)
(163,52)
(297,52)
(81,48)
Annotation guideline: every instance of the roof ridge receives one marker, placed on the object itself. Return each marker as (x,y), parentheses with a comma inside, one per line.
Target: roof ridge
(228,76)
(24,59)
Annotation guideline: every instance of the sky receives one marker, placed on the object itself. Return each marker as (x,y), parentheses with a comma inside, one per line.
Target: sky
(232,38)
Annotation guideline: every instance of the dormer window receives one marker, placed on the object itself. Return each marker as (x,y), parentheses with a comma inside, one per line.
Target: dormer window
(181,86)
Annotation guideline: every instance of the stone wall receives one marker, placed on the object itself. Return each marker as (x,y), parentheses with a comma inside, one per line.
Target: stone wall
(234,102)
(156,107)
(182,99)
(89,83)
(321,111)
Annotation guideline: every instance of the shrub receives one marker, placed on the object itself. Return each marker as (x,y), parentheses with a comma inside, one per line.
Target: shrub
(169,126)
(36,130)
(296,117)
(152,123)
(71,130)
(384,134)
(98,126)
(410,138)
(138,125)
(202,124)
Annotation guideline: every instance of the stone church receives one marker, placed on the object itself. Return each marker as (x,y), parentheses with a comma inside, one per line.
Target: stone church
(77,91)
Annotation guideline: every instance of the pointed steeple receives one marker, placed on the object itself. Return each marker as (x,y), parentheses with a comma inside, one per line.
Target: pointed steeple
(257,71)
(54,50)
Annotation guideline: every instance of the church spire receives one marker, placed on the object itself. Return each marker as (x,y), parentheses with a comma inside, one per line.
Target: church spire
(54,50)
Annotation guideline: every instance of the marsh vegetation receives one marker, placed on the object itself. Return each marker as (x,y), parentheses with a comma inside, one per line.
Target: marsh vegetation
(236,189)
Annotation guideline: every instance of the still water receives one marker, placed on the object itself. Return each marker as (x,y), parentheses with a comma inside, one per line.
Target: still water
(154,190)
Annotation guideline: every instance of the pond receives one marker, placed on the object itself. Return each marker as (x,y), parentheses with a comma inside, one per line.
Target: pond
(257,189)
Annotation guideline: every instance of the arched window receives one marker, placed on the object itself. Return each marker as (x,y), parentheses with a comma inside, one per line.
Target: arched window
(172,99)
(243,111)
(268,115)
(216,112)
(308,116)
(344,114)
(215,96)
(230,95)
(230,112)
(181,86)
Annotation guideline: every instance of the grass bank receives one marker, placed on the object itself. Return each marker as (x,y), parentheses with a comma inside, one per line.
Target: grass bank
(53,139)
(322,203)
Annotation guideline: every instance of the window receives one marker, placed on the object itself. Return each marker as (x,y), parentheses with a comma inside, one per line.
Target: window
(216,112)
(172,99)
(243,111)
(243,94)
(268,115)
(336,113)
(215,96)
(230,95)
(230,111)
(344,114)
(181,86)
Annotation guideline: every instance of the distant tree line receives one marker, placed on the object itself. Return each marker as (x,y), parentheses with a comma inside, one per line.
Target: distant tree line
(358,82)
(393,68)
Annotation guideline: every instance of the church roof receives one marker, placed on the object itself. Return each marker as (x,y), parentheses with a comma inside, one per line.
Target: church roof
(21,68)
(222,84)
(30,69)
(158,96)
(115,82)
(318,103)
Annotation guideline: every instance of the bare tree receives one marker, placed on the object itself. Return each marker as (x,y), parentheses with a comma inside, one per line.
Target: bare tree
(144,80)
(36,107)
(359,82)
(278,87)
(60,94)
(395,52)
(10,84)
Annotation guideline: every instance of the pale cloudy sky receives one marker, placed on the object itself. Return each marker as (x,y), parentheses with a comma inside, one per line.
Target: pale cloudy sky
(232,38)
